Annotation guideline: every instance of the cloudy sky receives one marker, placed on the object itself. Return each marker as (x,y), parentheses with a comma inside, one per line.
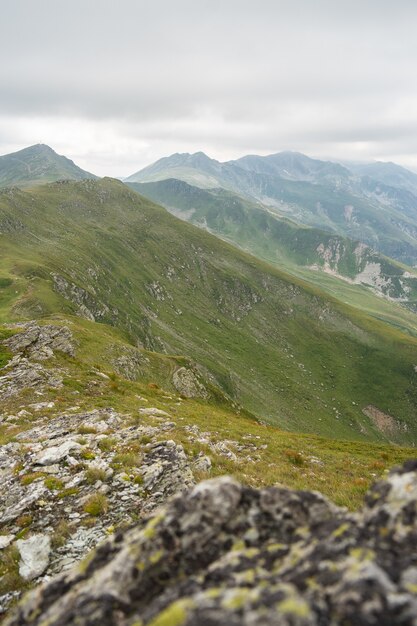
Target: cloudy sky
(116,84)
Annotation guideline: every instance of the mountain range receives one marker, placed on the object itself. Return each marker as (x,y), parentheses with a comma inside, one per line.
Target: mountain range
(252,334)
(317,193)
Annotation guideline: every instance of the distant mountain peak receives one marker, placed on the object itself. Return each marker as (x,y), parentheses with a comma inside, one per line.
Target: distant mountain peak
(37,164)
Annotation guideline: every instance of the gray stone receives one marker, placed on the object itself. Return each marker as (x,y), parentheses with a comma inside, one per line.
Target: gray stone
(34,555)
(5,540)
(56,454)
(154,411)
(187,383)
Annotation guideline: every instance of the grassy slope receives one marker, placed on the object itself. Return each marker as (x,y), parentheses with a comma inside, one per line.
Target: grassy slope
(281,349)
(340,469)
(321,204)
(287,245)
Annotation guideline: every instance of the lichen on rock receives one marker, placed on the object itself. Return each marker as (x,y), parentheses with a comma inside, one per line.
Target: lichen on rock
(223,553)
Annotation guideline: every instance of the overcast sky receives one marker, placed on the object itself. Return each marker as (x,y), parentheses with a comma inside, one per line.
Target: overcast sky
(117,84)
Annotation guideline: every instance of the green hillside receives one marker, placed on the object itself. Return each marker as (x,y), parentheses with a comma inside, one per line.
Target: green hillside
(313,254)
(264,340)
(37,165)
(316,193)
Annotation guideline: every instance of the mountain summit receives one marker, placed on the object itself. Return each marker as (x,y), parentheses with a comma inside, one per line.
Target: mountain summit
(38,164)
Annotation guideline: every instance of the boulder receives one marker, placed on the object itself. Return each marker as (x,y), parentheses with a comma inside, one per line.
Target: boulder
(34,555)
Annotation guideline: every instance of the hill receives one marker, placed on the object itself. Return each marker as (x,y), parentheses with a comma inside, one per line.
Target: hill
(316,193)
(288,245)
(244,332)
(88,449)
(36,165)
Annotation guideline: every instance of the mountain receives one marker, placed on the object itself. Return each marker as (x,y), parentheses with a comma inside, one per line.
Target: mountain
(389,174)
(140,355)
(38,164)
(320,194)
(282,242)
(244,332)
(89,450)
(294,166)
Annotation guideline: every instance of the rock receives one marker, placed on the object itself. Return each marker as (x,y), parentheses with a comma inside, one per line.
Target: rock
(6,540)
(22,374)
(154,411)
(222,554)
(202,463)
(34,555)
(16,499)
(39,406)
(40,342)
(187,383)
(222,449)
(165,471)
(53,455)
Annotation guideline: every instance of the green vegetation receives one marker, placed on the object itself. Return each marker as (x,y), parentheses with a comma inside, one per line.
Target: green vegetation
(341,469)
(295,248)
(37,164)
(266,341)
(93,474)
(96,505)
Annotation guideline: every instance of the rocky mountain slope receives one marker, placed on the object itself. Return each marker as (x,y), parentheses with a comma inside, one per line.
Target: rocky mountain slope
(244,331)
(86,453)
(226,554)
(380,212)
(37,165)
(280,241)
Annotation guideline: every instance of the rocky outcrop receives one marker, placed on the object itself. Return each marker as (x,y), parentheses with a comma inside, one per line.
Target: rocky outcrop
(32,344)
(223,553)
(40,342)
(186,382)
(71,480)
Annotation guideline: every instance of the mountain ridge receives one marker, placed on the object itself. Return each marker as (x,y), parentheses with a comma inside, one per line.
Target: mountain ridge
(267,340)
(38,164)
(321,194)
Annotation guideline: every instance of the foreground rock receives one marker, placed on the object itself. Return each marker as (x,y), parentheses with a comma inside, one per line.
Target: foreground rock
(226,554)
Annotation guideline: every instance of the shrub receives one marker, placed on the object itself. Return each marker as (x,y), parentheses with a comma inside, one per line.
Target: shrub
(93,474)
(294,457)
(96,505)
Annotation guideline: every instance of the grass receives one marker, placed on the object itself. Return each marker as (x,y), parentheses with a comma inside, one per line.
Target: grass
(96,505)
(93,474)
(279,348)
(267,345)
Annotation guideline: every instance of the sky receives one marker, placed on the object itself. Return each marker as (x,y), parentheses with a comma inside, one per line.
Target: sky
(117,84)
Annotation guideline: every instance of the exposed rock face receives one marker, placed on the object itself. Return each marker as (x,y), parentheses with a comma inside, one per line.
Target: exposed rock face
(227,554)
(187,383)
(34,555)
(48,477)
(31,345)
(40,342)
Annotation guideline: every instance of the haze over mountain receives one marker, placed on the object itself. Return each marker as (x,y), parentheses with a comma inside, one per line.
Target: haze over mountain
(38,164)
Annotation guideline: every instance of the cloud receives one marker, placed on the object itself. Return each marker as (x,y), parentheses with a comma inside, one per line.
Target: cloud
(121,84)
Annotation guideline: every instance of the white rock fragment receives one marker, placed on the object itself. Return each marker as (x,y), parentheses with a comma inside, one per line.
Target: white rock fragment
(34,555)
(56,453)
(154,411)
(5,540)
